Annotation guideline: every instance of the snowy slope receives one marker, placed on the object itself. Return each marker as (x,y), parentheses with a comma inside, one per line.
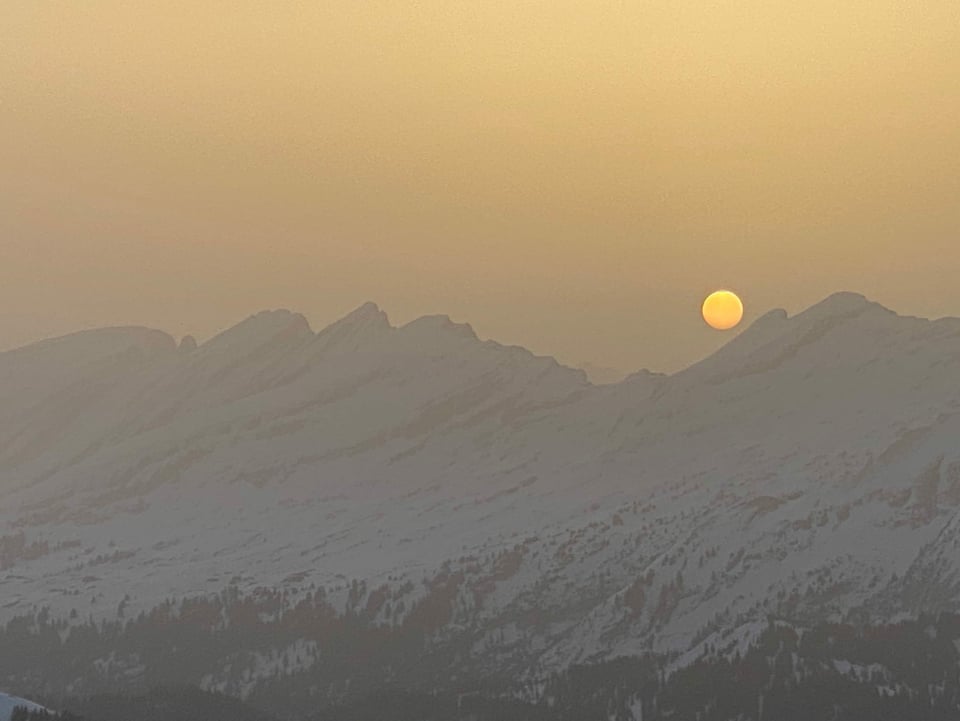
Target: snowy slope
(808,468)
(9,703)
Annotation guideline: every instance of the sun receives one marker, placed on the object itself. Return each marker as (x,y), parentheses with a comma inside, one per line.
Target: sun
(722,310)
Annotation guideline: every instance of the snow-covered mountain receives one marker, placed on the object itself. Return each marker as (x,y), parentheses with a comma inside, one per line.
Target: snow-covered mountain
(809,469)
(9,703)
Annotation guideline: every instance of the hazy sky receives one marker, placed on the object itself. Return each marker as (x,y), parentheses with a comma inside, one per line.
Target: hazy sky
(573,177)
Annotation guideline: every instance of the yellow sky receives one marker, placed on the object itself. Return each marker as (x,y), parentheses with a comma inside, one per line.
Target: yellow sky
(574,177)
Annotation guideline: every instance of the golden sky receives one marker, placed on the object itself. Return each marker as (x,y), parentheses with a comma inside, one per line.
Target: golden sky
(571,176)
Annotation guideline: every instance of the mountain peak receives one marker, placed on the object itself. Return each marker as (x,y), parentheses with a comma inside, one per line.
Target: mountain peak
(433,325)
(365,311)
(368,313)
(98,343)
(841,305)
(269,326)
(774,338)
(365,321)
(776,315)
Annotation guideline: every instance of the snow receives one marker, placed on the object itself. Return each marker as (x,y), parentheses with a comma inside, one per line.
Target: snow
(812,460)
(9,703)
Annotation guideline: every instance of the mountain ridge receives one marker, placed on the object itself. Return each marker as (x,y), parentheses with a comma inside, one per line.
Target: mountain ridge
(425,484)
(369,317)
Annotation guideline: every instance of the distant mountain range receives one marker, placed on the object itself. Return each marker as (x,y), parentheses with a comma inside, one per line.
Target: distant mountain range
(283,514)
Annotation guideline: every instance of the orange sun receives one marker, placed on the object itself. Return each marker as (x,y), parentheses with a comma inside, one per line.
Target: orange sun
(722,310)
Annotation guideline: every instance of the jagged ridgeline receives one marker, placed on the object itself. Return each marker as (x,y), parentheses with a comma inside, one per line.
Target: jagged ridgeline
(290,517)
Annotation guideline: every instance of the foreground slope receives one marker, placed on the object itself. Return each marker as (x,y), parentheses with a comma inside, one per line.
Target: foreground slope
(471,500)
(9,703)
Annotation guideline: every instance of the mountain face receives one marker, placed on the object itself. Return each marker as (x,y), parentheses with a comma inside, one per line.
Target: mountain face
(293,513)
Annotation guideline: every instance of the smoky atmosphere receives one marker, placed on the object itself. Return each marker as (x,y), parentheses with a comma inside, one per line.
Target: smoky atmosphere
(437,361)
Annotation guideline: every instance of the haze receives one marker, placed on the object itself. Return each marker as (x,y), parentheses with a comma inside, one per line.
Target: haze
(574,177)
